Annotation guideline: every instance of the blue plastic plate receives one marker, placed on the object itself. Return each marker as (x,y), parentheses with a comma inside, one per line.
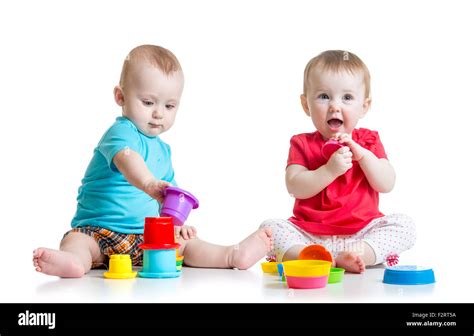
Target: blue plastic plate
(408,275)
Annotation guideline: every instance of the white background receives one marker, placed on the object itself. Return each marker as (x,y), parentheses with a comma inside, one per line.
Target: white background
(243,63)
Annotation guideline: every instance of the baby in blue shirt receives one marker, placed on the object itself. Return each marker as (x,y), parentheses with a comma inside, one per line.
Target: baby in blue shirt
(130,168)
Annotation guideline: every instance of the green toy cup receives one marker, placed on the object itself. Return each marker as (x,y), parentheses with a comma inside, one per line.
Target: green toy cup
(336,275)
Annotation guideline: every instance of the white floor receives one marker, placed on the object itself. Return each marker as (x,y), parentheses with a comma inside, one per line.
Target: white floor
(214,285)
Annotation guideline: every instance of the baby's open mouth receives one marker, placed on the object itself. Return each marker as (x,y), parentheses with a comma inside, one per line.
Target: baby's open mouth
(154,125)
(335,123)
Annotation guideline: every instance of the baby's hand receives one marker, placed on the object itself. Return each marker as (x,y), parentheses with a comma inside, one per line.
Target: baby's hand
(340,161)
(185,231)
(155,189)
(357,150)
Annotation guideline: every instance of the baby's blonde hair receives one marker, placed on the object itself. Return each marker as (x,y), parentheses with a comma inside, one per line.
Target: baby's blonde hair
(156,56)
(337,61)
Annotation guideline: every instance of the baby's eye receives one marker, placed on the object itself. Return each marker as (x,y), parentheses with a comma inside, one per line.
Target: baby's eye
(348,97)
(147,103)
(170,106)
(323,96)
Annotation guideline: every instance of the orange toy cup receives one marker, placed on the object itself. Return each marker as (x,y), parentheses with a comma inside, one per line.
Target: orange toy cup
(315,252)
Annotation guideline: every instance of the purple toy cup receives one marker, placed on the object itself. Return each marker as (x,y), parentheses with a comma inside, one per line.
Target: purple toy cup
(178,204)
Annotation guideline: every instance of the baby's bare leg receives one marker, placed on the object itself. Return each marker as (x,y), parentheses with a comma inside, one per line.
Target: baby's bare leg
(74,258)
(198,253)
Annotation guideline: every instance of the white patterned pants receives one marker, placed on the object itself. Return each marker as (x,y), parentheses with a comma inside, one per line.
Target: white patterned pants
(388,235)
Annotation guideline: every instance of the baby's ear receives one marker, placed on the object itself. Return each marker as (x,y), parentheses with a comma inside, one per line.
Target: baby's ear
(366,106)
(304,104)
(118,96)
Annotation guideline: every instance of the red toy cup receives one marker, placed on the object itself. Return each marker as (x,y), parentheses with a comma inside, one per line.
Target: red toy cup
(158,234)
(330,147)
(177,204)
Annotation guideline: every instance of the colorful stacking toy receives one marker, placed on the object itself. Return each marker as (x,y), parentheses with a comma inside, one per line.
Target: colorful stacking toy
(177,204)
(120,267)
(315,252)
(335,275)
(311,270)
(179,261)
(408,275)
(304,274)
(269,267)
(159,249)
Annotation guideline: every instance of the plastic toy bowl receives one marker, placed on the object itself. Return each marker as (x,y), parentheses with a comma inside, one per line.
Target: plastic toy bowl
(330,147)
(179,262)
(306,268)
(269,267)
(177,204)
(336,275)
(120,267)
(315,252)
(408,275)
(306,282)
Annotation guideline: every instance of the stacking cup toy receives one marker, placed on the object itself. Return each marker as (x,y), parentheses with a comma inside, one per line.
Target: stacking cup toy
(306,268)
(120,267)
(306,282)
(408,275)
(179,263)
(335,275)
(269,267)
(158,234)
(159,264)
(315,252)
(306,274)
(280,269)
(280,272)
(177,204)
(330,147)
(159,249)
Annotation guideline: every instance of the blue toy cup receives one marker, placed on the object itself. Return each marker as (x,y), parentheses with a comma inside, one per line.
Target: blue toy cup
(280,269)
(159,264)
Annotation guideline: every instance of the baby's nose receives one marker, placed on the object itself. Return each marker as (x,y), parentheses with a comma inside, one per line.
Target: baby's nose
(334,106)
(157,113)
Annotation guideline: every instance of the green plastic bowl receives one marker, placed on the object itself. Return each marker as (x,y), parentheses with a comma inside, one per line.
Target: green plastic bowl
(336,275)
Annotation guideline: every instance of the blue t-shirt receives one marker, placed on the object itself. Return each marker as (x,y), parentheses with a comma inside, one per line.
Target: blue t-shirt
(106,199)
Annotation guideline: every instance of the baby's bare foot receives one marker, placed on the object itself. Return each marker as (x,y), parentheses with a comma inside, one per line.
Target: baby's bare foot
(55,262)
(350,261)
(251,249)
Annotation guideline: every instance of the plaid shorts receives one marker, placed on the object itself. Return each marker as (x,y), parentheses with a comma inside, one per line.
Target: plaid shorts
(111,242)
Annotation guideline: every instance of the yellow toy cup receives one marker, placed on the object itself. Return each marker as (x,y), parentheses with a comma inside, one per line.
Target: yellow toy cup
(120,267)
(269,267)
(306,268)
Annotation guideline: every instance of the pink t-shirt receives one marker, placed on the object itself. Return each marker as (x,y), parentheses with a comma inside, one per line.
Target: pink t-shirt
(349,203)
